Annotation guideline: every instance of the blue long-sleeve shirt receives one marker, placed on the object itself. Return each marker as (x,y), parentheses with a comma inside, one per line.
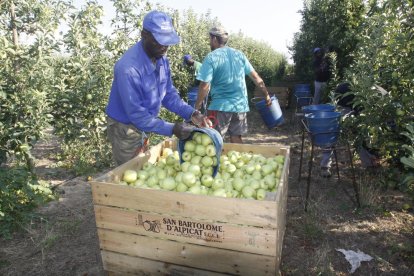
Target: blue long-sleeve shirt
(140,88)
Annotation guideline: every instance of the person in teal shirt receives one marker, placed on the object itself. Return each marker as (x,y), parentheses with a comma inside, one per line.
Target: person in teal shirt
(223,72)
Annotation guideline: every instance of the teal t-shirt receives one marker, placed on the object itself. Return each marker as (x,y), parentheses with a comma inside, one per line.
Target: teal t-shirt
(197,66)
(226,69)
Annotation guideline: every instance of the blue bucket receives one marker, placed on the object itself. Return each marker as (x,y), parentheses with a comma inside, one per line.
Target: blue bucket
(304,101)
(217,140)
(302,87)
(271,115)
(192,96)
(324,127)
(314,108)
(303,94)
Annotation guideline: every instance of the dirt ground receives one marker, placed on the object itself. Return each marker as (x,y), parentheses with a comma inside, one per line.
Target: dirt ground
(62,238)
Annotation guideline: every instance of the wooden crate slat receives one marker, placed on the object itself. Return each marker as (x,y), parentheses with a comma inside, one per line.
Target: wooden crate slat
(200,257)
(121,264)
(232,210)
(228,236)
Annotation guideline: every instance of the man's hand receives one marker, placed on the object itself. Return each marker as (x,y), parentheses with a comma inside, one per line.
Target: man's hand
(268,100)
(200,120)
(182,130)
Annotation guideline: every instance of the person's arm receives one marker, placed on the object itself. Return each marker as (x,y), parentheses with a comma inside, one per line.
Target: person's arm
(254,76)
(203,89)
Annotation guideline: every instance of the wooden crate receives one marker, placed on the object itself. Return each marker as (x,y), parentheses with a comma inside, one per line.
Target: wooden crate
(281,93)
(153,232)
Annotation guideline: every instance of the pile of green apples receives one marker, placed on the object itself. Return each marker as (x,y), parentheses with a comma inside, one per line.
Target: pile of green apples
(240,175)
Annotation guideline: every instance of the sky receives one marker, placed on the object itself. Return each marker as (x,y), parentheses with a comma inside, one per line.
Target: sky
(271,21)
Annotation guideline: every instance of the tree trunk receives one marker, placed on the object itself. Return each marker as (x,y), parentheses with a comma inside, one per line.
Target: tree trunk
(13,25)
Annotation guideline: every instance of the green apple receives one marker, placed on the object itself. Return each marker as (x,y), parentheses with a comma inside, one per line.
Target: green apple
(279,159)
(170,171)
(177,166)
(189,179)
(178,177)
(250,168)
(130,176)
(197,137)
(239,164)
(152,170)
(263,185)
(226,176)
(147,165)
(223,158)
(238,184)
(211,150)
(278,172)
(270,181)
(181,187)
(168,183)
(260,194)
(207,180)
(142,174)
(254,183)
(261,159)
(166,152)
(235,194)
(161,163)
(207,170)
(195,190)
(248,192)
(238,173)
(220,192)
(267,169)
(196,160)
(204,190)
(257,175)
(231,168)
(152,181)
(176,155)
(189,146)
(233,158)
(207,161)
(170,160)
(195,169)
(200,150)
(186,156)
(234,153)
(161,173)
(217,184)
(246,157)
(206,140)
(185,165)
(138,183)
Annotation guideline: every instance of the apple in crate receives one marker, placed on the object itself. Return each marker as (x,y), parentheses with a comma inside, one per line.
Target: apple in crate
(130,176)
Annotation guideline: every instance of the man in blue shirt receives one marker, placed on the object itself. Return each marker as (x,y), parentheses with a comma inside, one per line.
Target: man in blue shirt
(223,73)
(142,83)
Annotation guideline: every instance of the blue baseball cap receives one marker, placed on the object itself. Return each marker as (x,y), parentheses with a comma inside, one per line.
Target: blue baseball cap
(186,58)
(160,26)
(316,50)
